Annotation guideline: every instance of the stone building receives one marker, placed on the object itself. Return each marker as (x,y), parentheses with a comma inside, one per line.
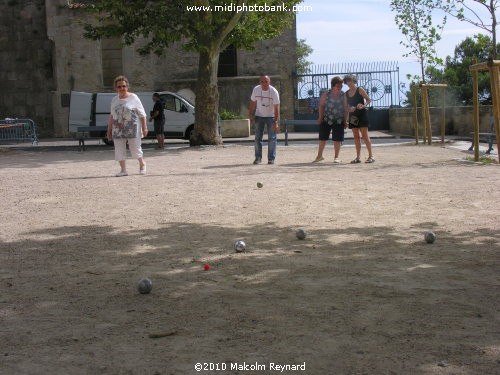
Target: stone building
(44,56)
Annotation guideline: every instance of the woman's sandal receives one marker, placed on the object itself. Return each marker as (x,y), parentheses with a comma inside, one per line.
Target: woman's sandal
(370,160)
(355,161)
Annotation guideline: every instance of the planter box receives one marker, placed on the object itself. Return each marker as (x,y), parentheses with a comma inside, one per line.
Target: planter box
(235,128)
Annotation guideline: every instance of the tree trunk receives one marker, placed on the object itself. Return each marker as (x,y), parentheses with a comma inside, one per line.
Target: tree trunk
(422,69)
(206,129)
(493,30)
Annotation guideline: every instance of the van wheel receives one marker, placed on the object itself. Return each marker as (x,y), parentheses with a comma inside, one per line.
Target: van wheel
(189,132)
(108,142)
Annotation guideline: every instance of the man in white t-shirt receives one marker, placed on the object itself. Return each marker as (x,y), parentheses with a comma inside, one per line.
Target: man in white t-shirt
(264,109)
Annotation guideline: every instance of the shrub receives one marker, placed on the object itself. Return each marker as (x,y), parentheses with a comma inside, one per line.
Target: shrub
(226,114)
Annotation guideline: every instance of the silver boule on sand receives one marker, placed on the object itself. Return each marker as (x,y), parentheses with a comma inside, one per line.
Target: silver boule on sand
(300,233)
(240,246)
(430,237)
(144,286)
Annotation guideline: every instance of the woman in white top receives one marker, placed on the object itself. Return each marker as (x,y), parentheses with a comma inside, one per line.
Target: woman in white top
(127,123)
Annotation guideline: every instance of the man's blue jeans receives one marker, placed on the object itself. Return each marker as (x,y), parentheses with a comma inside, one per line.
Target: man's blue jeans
(260,123)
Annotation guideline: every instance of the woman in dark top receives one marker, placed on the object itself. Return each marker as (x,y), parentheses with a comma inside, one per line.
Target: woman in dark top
(356,101)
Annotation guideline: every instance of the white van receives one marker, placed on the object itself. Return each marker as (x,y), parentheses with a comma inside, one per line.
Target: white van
(88,110)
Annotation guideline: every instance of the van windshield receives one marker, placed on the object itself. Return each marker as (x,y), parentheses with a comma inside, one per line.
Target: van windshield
(174,103)
(187,100)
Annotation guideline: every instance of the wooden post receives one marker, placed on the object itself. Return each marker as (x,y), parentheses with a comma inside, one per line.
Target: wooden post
(414,111)
(443,114)
(495,92)
(493,67)
(426,114)
(475,113)
(426,111)
(423,94)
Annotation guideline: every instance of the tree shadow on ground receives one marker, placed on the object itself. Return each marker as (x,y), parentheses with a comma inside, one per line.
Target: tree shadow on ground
(347,300)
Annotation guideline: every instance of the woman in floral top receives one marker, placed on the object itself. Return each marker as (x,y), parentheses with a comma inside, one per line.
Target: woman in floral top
(127,123)
(332,118)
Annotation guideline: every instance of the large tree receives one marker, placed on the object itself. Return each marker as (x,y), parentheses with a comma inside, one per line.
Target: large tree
(414,19)
(205,26)
(468,11)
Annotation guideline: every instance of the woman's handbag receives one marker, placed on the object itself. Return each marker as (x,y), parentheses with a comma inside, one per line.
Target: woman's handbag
(354,120)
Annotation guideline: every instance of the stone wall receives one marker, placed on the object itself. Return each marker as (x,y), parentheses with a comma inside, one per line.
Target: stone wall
(275,58)
(26,57)
(77,61)
(458,120)
(44,57)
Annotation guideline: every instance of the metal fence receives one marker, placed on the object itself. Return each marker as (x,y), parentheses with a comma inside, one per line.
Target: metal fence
(379,79)
(20,130)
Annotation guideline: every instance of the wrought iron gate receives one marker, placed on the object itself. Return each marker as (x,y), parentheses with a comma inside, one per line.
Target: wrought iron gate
(379,79)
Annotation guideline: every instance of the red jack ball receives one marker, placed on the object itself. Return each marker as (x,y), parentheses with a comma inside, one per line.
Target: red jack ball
(206,267)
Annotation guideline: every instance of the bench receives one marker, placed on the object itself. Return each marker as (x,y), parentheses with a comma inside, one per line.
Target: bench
(488,137)
(84,130)
(285,123)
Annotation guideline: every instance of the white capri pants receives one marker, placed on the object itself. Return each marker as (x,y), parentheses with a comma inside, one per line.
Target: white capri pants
(134,145)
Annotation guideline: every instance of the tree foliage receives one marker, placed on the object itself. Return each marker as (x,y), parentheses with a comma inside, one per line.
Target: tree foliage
(196,25)
(415,20)
(303,51)
(467,10)
(456,73)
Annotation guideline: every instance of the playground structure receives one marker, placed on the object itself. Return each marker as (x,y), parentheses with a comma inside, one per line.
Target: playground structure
(493,67)
(426,115)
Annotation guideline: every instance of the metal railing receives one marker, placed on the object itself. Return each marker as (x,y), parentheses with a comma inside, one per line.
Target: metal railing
(18,130)
(379,79)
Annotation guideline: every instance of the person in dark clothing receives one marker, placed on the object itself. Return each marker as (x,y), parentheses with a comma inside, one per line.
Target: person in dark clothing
(356,101)
(159,120)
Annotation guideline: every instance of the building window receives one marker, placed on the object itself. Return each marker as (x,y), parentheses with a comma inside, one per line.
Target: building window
(227,62)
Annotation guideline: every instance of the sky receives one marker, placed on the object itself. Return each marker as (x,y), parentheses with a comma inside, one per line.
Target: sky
(365,31)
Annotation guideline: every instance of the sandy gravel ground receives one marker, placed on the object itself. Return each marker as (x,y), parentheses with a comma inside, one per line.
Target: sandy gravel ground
(362,294)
